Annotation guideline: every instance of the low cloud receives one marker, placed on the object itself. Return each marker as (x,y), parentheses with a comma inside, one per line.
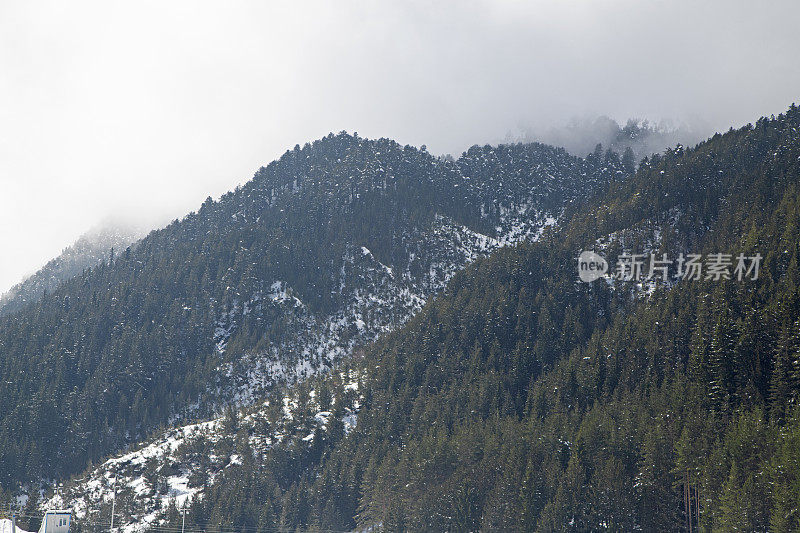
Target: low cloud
(144,109)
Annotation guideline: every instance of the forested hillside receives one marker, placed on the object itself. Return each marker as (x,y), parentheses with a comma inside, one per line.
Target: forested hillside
(524,399)
(322,251)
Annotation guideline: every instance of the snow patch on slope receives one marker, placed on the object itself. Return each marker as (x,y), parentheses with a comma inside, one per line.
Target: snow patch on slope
(374,299)
(174,467)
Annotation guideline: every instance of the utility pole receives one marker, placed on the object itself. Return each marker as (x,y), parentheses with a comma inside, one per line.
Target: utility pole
(183,524)
(113,504)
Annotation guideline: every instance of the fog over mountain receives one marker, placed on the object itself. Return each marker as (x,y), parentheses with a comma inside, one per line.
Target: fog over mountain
(97,245)
(144,109)
(580,136)
(465,265)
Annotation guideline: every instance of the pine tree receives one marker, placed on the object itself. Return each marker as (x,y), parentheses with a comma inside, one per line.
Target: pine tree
(783,385)
(629,160)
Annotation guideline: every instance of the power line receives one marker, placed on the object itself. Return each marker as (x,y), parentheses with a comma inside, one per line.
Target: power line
(101,524)
(216,529)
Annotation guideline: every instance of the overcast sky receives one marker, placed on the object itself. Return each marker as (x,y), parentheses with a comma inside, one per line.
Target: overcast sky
(142,109)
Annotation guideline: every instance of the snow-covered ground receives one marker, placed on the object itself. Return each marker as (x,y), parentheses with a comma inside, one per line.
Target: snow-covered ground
(6,526)
(135,475)
(375,299)
(173,467)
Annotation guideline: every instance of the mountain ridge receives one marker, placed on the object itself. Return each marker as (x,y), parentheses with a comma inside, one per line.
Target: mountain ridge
(521,398)
(148,337)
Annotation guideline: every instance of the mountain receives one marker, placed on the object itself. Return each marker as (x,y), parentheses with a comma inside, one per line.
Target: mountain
(87,251)
(523,399)
(319,254)
(518,397)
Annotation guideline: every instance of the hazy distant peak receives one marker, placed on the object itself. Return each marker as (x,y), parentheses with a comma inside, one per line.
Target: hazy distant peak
(89,249)
(580,136)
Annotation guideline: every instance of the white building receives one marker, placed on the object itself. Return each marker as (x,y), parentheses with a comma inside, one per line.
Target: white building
(56,521)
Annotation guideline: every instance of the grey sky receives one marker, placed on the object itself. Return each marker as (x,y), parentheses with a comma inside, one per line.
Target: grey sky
(140,110)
